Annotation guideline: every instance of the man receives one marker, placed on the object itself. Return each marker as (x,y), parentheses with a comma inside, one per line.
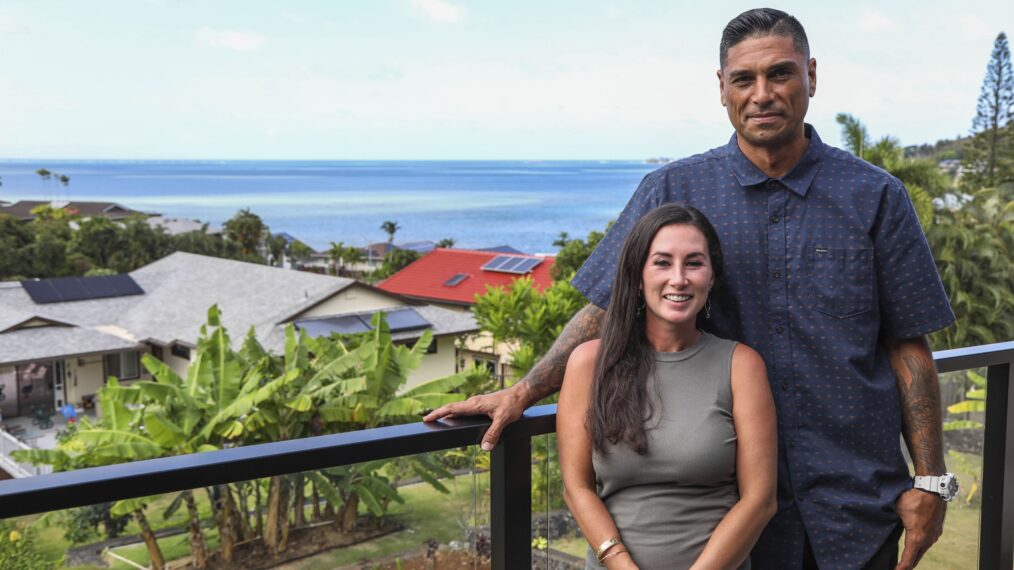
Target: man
(831,280)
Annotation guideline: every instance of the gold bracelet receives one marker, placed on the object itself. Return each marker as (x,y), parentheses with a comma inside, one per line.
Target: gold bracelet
(610,555)
(606,545)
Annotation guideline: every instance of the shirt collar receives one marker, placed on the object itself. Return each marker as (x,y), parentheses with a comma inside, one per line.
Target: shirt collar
(798,179)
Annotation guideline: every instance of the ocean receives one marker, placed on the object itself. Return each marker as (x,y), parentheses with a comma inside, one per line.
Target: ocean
(524,204)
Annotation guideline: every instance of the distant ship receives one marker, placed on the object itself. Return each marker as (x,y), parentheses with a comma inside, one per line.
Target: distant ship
(659,160)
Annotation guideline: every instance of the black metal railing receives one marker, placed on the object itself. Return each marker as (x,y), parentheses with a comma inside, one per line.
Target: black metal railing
(510,466)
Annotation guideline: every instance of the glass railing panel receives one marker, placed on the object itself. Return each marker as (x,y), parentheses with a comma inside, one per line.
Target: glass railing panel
(422,511)
(552,522)
(963,401)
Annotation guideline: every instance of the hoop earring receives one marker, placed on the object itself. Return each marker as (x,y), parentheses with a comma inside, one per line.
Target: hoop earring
(707,308)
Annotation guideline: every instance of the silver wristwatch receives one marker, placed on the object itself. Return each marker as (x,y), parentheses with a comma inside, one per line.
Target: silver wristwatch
(945,485)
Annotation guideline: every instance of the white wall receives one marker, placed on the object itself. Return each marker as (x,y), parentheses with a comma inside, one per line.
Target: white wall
(353,299)
(437,365)
(86,377)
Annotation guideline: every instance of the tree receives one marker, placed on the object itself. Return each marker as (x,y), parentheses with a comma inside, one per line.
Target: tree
(395,261)
(342,256)
(523,316)
(246,229)
(446,242)
(99,239)
(297,251)
(574,252)
(390,228)
(989,160)
(922,178)
(16,239)
(973,245)
(19,549)
(277,244)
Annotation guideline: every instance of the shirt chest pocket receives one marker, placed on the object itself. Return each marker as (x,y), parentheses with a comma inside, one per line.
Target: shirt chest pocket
(841,280)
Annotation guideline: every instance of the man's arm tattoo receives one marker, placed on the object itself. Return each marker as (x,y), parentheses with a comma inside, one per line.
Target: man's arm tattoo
(920,412)
(546,376)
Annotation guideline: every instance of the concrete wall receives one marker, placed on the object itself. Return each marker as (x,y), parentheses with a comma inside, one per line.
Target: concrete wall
(86,376)
(178,365)
(354,298)
(435,365)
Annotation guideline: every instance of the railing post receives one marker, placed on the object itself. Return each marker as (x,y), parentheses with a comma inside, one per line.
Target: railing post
(511,504)
(996,542)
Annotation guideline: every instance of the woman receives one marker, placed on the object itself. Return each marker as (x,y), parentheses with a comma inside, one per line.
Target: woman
(666,433)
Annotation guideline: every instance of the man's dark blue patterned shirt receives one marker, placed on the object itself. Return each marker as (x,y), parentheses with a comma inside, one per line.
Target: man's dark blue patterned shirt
(822,266)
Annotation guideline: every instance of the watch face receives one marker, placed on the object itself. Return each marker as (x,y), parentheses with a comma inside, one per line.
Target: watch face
(948,486)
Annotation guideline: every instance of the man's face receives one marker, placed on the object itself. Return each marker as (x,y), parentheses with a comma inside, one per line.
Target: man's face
(766,87)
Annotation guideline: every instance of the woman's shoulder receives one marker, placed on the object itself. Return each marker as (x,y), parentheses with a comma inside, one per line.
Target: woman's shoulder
(745,357)
(584,354)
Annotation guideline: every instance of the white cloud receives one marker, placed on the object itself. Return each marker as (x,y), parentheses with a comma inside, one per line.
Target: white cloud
(872,20)
(438,10)
(236,40)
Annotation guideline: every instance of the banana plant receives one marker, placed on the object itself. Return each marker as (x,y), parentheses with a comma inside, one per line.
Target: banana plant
(975,402)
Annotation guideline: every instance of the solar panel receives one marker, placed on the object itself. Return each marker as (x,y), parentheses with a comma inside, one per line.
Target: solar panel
(405,320)
(67,289)
(512,264)
(349,324)
(455,280)
(398,320)
(497,262)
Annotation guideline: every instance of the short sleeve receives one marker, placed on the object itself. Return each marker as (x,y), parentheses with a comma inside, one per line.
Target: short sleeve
(912,298)
(595,278)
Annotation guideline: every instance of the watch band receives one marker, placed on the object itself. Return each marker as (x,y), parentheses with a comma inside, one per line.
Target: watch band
(929,483)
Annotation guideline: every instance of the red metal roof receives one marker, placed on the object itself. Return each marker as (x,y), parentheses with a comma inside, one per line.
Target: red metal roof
(425,277)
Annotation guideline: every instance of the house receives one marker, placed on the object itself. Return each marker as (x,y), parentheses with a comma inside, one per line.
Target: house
(176,226)
(452,278)
(61,338)
(23,209)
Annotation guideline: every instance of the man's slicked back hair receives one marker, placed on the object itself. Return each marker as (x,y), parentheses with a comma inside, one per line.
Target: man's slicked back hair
(762,22)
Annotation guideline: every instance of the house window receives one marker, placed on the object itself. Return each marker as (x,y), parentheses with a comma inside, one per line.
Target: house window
(489,364)
(157,352)
(123,365)
(180,351)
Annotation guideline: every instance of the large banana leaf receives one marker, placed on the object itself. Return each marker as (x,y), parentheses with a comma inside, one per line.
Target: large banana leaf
(325,487)
(161,371)
(967,406)
(115,414)
(163,431)
(227,373)
(125,452)
(128,506)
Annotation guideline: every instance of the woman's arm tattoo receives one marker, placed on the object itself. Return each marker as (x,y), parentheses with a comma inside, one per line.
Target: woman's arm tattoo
(546,376)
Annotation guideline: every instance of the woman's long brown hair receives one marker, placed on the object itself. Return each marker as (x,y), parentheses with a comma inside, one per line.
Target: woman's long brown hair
(620,406)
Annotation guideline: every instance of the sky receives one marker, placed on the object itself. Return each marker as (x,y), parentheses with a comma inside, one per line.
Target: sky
(454,79)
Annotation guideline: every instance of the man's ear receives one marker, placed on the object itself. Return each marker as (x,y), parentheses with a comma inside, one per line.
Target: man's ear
(811,72)
(721,87)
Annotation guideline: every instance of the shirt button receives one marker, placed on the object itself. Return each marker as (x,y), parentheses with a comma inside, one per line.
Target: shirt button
(775,219)
(776,274)
(799,497)
(785,385)
(779,329)
(792,443)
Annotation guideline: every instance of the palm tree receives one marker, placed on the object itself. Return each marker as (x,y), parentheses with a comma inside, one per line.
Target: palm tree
(277,245)
(390,228)
(247,230)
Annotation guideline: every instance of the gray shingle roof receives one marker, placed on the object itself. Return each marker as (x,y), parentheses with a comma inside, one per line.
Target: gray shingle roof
(179,289)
